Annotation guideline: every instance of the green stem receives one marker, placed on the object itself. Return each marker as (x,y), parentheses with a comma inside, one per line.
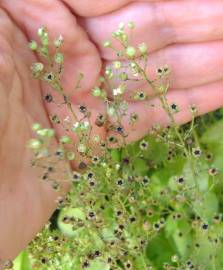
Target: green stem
(166,108)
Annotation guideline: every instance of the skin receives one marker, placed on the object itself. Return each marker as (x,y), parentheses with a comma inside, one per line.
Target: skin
(187,35)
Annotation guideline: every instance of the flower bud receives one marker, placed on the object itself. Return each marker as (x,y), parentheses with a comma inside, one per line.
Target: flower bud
(131,51)
(65,139)
(33,45)
(131,25)
(59,58)
(107,44)
(34,144)
(143,48)
(96,92)
(36,126)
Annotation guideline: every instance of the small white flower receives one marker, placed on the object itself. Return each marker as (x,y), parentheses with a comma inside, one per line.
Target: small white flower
(67,120)
(117,167)
(117,91)
(111,111)
(41,31)
(121,25)
(86,124)
(76,125)
(82,148)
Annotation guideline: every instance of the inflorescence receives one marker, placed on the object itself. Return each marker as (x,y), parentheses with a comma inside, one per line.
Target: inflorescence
(125,204)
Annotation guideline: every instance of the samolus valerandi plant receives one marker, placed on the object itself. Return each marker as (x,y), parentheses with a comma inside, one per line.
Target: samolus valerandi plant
(148,205)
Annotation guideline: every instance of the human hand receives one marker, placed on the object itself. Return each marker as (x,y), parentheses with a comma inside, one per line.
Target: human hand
(185,35)
(195,81)
(26,203)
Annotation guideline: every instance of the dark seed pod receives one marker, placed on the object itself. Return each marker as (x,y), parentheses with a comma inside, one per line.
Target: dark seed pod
(85,264)
(43,260)
(82,109)
(66,99)
(82,165)
(8,264)
(48,98)
(100,120)
(120,129)
(55,119)
(112,139)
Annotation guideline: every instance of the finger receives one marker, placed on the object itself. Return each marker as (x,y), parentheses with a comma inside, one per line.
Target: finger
(206,98)
(6,60)
(80,54)
(190,64)
(11,61)
(95,8)
(161,23)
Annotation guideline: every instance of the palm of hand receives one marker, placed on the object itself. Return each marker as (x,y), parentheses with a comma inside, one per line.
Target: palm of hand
(23,201)
(21,105)
(27,203)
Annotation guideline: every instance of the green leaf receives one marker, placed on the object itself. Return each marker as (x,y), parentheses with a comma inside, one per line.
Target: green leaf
(140,166)
(208,207)
(68,229)
(173,229)
(22,262)
(160,250)
(116,155)
(157,151)
(200,176)
(98,265)
(213,138)
(214,134)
